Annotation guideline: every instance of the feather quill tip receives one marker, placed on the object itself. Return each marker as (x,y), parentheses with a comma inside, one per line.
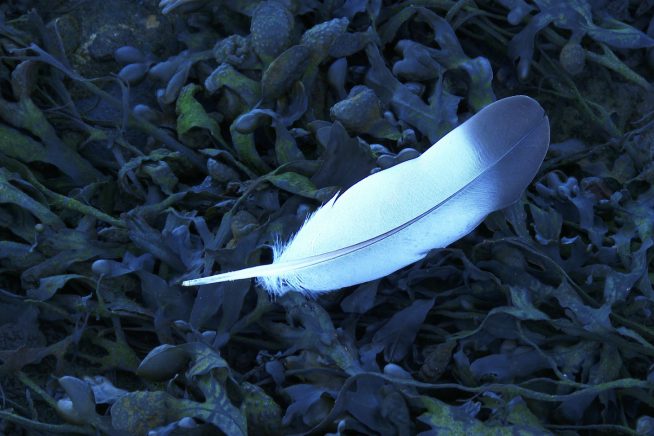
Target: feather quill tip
(270,277)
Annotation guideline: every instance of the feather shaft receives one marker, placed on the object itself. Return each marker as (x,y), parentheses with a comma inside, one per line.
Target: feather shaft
(334,249)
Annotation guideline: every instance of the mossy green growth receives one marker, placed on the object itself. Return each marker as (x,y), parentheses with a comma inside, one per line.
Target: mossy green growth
(227,76)
(20,146)
(264,416)
(454,420)
(192,115)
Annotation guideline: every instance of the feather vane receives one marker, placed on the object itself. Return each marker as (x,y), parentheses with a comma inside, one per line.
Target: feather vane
(395,217)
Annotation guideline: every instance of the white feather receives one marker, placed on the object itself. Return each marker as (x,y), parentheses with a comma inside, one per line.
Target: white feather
(394,217)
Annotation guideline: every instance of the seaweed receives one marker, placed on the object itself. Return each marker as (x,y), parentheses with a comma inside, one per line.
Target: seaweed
(143,144)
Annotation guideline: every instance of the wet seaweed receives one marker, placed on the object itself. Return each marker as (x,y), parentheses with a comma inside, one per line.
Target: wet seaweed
(148,144)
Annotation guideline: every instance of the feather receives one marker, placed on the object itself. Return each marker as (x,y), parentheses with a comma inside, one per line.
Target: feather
(395,217)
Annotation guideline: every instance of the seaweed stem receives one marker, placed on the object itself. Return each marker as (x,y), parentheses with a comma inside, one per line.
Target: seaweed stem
(42,426)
